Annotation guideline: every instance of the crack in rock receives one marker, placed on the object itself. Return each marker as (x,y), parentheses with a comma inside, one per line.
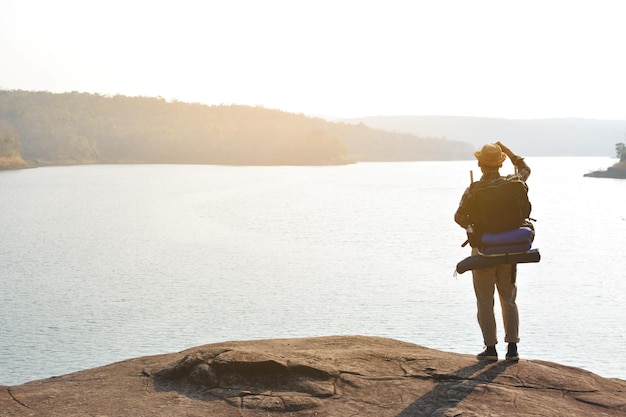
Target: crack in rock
(15,398)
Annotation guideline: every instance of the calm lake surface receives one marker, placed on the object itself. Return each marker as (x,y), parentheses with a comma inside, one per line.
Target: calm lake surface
(107,262)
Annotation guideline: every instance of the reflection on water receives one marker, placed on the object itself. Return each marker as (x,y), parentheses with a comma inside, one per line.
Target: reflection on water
(104,263)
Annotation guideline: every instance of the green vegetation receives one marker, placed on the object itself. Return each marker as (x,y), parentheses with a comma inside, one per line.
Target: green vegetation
(9,145)
(620,150)
(74,128)
(10,156)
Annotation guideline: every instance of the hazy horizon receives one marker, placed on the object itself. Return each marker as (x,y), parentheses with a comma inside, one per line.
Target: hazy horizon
(548,59)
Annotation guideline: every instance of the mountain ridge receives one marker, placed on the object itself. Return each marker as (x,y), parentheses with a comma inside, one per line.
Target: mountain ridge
(528,137)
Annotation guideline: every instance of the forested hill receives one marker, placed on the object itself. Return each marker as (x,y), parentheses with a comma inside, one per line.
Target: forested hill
(76,127)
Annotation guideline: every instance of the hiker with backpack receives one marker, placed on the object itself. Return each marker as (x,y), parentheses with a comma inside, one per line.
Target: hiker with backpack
(495,204)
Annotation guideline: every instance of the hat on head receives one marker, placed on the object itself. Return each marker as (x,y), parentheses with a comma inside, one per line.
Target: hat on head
(490,155)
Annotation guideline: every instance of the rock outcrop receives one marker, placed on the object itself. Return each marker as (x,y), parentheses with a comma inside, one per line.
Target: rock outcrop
(616,171)
(326,376)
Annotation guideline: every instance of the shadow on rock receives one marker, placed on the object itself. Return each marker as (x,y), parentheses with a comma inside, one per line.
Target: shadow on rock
(454,387)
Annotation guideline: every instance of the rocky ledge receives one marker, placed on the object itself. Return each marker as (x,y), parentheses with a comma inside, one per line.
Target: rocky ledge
(325,376)
(616,171)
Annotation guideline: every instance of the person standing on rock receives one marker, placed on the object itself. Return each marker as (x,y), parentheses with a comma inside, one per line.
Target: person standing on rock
(500,277)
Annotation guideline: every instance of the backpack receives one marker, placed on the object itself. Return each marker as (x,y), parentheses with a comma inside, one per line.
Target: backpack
(499,205)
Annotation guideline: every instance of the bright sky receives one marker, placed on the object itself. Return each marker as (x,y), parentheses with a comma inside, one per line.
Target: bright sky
(343,58)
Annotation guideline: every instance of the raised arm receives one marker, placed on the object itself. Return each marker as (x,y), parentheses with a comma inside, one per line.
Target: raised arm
(523,170)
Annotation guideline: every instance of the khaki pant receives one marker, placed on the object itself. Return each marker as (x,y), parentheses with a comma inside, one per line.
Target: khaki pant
(485,282)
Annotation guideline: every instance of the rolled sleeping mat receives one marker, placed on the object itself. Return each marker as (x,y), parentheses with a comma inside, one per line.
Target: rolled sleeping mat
(482,261)
(512,241)
(504,249)
(519,235)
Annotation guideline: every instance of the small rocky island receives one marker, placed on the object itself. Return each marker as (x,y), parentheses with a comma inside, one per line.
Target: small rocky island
(618,170)
(335,376)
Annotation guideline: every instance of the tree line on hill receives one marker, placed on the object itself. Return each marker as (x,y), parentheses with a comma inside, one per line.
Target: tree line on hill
(75,128)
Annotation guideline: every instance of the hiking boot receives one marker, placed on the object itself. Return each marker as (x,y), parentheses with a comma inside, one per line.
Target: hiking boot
(511,352)
(489,354)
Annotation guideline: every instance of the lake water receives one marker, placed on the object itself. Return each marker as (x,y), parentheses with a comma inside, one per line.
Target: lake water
(108,262)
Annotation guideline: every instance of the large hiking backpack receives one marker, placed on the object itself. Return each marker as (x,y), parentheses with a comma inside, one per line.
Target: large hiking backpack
(499,205)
